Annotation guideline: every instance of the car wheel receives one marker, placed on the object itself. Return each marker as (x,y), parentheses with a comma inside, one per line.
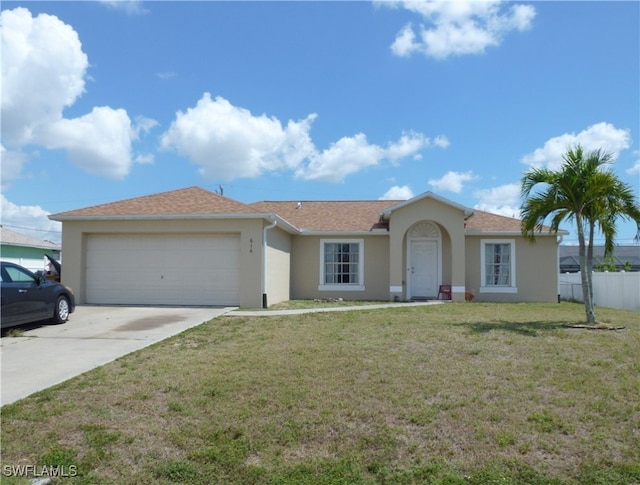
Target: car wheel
(61,312)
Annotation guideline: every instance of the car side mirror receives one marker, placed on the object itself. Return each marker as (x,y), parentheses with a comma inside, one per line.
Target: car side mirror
(40,278)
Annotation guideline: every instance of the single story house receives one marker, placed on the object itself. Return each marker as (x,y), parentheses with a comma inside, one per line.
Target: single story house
(25,250)
(196,247)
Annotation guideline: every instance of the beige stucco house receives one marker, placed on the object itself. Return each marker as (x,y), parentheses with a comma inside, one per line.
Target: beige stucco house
(196,247)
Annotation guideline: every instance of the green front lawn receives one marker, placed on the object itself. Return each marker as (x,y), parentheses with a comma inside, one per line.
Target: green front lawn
(453,394)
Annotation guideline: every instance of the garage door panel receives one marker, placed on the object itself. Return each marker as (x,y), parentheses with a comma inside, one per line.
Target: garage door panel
(163,269)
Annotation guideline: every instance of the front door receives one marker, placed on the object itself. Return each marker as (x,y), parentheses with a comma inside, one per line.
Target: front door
(424,269)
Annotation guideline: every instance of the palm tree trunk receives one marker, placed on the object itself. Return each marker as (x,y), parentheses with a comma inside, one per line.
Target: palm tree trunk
(589,261)
(585,277)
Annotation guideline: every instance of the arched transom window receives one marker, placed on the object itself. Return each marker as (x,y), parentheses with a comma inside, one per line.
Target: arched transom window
(425,229)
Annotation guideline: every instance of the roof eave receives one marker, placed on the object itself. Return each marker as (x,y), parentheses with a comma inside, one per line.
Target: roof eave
(282,223)
(372,232)
(482,232)
(139,217)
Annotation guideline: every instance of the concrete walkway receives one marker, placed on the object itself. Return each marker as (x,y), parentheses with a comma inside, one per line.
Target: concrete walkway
(270,313)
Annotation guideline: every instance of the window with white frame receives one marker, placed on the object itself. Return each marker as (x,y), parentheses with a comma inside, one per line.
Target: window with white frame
(341,265)
(498,266)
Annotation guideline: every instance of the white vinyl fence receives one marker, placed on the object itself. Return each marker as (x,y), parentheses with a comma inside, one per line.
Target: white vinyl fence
(615,290)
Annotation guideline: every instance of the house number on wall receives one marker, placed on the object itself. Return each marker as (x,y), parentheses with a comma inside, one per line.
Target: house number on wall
(251,245)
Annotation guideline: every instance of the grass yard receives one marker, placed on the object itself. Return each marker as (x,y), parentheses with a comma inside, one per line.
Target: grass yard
(450,394)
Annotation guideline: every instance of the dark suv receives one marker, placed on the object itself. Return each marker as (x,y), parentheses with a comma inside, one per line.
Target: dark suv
(28,297)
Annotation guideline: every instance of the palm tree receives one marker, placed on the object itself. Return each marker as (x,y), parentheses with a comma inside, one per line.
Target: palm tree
(581,191)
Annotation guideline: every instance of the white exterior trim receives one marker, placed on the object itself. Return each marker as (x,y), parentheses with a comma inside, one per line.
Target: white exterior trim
(170,217)
(512,288)
(342,287)
(372,232)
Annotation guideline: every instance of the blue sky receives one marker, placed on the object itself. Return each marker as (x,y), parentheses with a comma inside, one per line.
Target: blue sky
(103,101)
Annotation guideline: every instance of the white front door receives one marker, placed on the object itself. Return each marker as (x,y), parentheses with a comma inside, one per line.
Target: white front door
(423,269)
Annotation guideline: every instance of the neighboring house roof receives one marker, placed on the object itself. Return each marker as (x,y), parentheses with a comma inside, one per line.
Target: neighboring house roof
(303,216)
(12,238)
(570,262)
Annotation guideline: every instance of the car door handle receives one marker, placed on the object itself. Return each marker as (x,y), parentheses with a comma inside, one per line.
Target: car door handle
(22,291)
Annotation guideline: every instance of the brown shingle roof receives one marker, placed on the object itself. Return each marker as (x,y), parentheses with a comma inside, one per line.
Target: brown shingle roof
(343,215)
(338,215)
(488,222)
(485,221)
(189,201)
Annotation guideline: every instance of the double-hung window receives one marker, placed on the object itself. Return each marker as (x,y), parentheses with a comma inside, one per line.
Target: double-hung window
(341,265)
(498,266)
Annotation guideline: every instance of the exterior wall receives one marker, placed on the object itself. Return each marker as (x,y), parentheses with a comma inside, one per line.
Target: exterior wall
(536,269)
(30,258)
(450,221)
(278,266)
(293,261)
(74,235)
(305,268)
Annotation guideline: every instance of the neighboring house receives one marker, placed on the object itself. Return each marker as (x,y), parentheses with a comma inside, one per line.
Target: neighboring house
(25,250)
(624,258)
(195,247)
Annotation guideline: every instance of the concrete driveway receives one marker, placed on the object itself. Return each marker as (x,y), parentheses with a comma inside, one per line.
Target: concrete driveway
(94,335)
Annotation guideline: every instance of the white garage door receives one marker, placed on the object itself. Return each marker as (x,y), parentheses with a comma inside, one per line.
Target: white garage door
(163,269)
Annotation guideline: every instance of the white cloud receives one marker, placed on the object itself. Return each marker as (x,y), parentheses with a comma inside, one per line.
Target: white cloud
(352,154)
(452,181)
(43,72)
(31,220)
(635,169)
(503,200)
(405,43)
(132,7)
(344,157)
(230,142)
(441,141)
(166,74)
(398,193)
(409,144)
(144,125)
(99,142)
(12,162)
(145,159)
(599,136)
(43,69)
(458,27)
